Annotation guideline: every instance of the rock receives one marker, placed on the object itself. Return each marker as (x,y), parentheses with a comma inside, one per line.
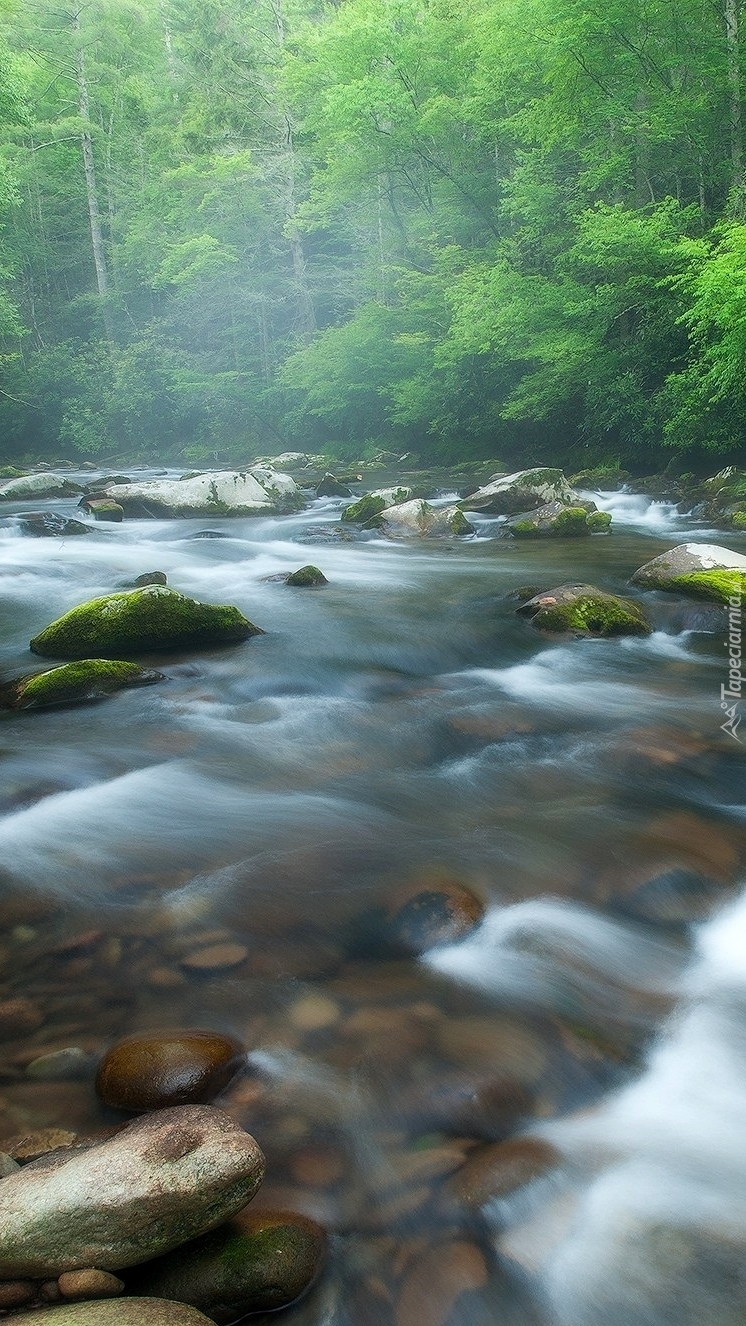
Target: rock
(64,1065)
(555,520)
(436,910)
(38,485)
(7,1165)
(157,1069)
(16,1293)
(50,525)
(28,1147)
(330,486)
(509,494)
(118,1312)
(703,570)
(419,519)
(215,957)
(584,610)
(162,1180)
(307,577)
(498,1045)
(18,1016)
(499,1168)
(313,1012)
(140,621)
(151,578)
(75,683)
(258,1262)
(436,1279)
(89,1283)
(105,481)
(103,508)
(260,491)
(367,510)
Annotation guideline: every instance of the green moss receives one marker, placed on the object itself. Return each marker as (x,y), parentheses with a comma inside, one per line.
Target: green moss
(738,520)
(717,585)
(573,520)
(459,524)
(138,622)
(598,522)
(73,682)
(307,577)
(365,510)
(593,614)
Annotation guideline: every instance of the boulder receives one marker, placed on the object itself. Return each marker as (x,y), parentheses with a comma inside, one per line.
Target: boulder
(435,908)
(118,1312)
(150,578)
(100,485)
(703,570)
(153,1070)
(140,621)
(260,491)
(75,683)
(556,520)
(584,610)
(307,577)
(162,1180)
(509,494)
(367,510)
(50,525)
(255,1263)
(38,485)
(331,486)
(103,508)
(418,519)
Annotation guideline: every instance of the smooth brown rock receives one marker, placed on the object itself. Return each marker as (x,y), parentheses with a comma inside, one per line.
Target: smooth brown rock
(436,908)
(118,1312)
(160,1181)
(258,1262)
(436,1280)
(31,1146)
(89,1283)
(157,1069)
(15,1293)
(500,1168)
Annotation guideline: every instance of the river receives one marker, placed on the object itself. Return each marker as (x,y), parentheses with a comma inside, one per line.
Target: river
(402,724)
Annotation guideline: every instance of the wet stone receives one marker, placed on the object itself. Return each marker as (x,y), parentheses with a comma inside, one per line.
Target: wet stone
(118,1312)
(16,1293)
(61,1065)
(499,1169)
(30,1146)
(436,1280)
(89,1283)
(434,911)
(216,957)
(19,1016)
(258,1262)
(155,1070)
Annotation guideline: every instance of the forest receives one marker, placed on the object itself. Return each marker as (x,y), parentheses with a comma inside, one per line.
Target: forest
(510,229)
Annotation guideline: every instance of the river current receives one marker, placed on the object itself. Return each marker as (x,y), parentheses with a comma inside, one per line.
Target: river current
(401,724)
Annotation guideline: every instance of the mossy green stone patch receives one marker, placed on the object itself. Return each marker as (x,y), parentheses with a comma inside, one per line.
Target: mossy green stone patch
(718,585)
(307,577)
(594,615)
(367,508)
(598,522)
(90,679)
(139,622)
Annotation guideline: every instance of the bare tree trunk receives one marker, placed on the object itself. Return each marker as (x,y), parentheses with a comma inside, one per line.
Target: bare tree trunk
(89,170)
(732,35)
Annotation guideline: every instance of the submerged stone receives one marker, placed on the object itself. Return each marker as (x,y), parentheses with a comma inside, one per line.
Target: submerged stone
(584,610)
(139,622)
(50,525)
(75,683)
(255,1263)
(154,1070)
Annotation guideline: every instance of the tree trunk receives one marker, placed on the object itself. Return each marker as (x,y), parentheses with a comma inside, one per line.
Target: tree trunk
(734,90)
(89,170)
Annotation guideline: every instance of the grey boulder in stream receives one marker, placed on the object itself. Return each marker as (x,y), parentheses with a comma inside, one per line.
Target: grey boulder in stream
(162,1180)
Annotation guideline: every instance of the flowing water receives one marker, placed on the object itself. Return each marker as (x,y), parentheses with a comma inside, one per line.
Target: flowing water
(403,727)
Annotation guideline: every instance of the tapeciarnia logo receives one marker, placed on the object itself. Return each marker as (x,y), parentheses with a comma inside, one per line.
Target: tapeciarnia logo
(731,695)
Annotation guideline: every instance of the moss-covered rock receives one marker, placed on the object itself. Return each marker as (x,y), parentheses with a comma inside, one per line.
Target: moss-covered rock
(75,683)
(255,1263)
(38,485)
(418,519)
(50,525)
(368,508)
(139,622)
(307,577)
(554,520)
(584,610)
(705,571)
(598,522)
(103,508)
(511,494)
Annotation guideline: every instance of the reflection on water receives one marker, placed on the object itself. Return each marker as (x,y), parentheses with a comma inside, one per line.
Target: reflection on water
(224,850)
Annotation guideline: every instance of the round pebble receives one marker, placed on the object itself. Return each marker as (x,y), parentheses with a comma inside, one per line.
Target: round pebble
(498,1169)
(216,957)
(15,1293)
(89,1283)
(313,1012)
(18,1016)
(158,1069)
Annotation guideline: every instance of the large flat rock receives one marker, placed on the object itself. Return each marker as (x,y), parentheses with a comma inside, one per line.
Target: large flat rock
(118,1312)
(260,491)
(704,570)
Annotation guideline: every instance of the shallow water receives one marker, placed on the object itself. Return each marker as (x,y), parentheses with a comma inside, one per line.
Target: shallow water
(402,725)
